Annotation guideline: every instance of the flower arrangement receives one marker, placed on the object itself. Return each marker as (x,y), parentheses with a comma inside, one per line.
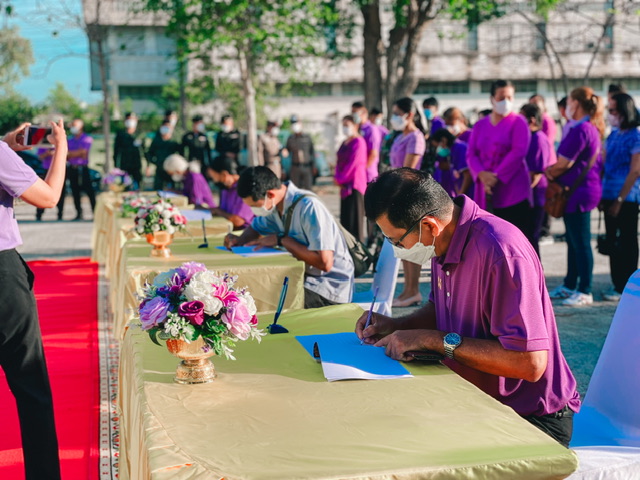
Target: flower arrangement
(190,301)
(117,180)
(131,203)
(159,215)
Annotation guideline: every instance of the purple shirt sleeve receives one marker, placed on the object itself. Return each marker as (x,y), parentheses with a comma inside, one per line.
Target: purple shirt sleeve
(513,160)
(416,144)
(473,152)
(15,175)
(538,155)
(437,124)
(572,144)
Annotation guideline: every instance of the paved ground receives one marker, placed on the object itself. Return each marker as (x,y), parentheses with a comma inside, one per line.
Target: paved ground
(582,329)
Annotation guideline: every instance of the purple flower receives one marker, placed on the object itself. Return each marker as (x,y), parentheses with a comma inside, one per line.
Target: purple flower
(153,312)
(192,311)
(189,269)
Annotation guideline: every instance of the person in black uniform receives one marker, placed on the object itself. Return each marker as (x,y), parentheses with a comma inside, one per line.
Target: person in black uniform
(161,147)
(126,149)
(228,139)
(195,144)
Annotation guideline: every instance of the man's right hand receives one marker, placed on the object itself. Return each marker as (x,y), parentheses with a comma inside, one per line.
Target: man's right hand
(380,326)
(231,240)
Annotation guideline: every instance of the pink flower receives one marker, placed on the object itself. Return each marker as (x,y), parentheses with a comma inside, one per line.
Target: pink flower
(254,321)
(192,311)
(188,269)
(238,320)
(225,295)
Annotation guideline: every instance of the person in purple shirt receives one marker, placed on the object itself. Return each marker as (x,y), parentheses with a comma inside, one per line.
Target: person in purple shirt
(372,137)
(194,186)
(351,176)
(547,126)
(376,116)
(496,157)
(223,172)
(407,151)
(538,159)
(442,142)
(457,125)
(78,167)
(582,143)
(430,107)
(21,353)
(489,311)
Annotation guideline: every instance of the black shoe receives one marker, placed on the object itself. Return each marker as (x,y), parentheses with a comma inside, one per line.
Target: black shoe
(78,218)
(38,218)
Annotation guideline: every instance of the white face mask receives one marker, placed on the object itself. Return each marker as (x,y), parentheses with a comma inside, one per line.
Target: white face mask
(226,128)
(164,130)
(275,131)
(74,130)
(357,119)
(176,177)
(569,111)
(398,122)
(378,121)
(419,253)
(262,211)
(455,129)
(613,120)
(130,124)
(347,130)
(200,127)
(503,107)
(296,127)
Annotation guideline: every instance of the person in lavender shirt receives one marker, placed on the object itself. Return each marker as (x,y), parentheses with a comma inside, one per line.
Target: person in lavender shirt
(78,161)
(21,353)
(457,125)
(372,137)
(407,151)
(489,311)
(496,156)
(194,185)
(351,176)
(223,172)
(582,143)
(538,159)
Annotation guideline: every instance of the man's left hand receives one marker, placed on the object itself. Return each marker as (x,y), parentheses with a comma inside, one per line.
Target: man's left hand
(402,341)
(614,209)
(264,242)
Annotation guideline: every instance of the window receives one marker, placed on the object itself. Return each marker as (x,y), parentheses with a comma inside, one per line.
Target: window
(139,92)
(303,90)
(441,88)
(629,83)
(540,33)
(472,38)
(521,86)
(352,89)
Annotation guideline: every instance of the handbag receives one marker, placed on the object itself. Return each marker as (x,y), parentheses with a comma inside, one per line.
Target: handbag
(556,195)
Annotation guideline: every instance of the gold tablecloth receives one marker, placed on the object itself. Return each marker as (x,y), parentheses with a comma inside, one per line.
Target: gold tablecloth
(272,415)
(262,275)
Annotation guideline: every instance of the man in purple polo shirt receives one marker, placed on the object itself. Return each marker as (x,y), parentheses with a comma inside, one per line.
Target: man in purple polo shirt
(489,311)
(371,135)
(78,166)
(224,174)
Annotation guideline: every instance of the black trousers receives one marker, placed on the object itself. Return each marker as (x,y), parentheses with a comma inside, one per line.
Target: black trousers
(80,181)
(519,215)
(622,231)
(314,300)
(22,359)
(352,214)
(558,426)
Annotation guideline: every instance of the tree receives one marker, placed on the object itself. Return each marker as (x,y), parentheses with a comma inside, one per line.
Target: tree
(60,100)
(256,35)
(15,56)
(15,109)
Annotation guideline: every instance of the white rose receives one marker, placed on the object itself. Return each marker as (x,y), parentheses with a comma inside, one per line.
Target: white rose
(166,214)
(200,289)
(155,227)
(140,229)
(251,303)
(158,208)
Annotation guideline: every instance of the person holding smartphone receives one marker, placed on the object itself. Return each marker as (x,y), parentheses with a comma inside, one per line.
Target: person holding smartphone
(21,352)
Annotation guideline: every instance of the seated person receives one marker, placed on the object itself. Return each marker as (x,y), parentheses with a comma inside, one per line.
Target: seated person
(313,237)
(195,186)
(489,311)
(223,172)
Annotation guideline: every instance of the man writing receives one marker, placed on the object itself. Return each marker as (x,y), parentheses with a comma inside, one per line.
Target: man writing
(489,311)
(313,235)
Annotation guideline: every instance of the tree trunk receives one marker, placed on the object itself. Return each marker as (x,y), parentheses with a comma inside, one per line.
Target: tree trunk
(372,54)
(182,85)
(396,39)
(106,114)
(250,105)
(409,81)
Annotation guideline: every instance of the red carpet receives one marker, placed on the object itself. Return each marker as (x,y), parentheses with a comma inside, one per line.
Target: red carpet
(67,295)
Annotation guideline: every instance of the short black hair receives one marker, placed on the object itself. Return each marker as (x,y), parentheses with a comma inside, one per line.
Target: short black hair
(375,111)
(430,102)
(357,105)
(255,182)
(405,195)
(562,103)
(485,112)
(617,88)
(500,84)
(225,118)
(530,111)
(536,95)
(168,112)
(196,118)
(441,134)
(130,114)
(223,163)
(626,108)
(166,121)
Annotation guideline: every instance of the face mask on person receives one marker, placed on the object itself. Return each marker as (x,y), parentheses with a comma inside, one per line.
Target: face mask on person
(74,130)
(357,119)
(398,122)
(275,131)
(503,107)
(200,127)
(443,152)
(419,254)
(164,130)
(262,211)
(378,121)
(177,177)
(347,130)
(296,127)
(569,111)
(613,120)
(226,128)
(130,124)
(455,129)
(428,113)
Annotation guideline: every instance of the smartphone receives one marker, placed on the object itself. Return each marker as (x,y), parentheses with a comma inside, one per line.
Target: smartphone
(37,137)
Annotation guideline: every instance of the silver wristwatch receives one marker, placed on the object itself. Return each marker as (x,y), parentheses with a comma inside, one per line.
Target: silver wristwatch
(451,342)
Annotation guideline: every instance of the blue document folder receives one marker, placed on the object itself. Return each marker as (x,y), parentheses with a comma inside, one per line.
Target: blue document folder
(343,357)
(252,252)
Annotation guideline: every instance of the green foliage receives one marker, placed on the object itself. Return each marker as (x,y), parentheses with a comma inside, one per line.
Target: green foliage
(475,11)
(16,56)
(61,101)
(15,109)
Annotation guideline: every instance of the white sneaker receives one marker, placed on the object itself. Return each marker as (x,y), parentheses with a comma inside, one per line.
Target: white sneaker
(578,298)
(611,296)
(561,292)
(546,240)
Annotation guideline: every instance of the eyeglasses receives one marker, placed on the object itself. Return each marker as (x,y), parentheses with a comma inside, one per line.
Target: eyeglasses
(411,229)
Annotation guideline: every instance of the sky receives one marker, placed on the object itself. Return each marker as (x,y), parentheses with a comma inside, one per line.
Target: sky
(58,58)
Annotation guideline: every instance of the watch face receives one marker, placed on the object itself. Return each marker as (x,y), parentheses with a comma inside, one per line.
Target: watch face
(452,339)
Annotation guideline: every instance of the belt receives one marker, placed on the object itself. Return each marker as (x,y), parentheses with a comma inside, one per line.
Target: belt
(564,412)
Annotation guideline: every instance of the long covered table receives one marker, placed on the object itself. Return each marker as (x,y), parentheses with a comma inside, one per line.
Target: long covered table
(262,275)
(272,415)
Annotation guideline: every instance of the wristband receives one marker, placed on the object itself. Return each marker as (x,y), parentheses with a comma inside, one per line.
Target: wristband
(620,200)
(280,237)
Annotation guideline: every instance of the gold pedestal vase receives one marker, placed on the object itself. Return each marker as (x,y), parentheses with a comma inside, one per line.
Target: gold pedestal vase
(195,366)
